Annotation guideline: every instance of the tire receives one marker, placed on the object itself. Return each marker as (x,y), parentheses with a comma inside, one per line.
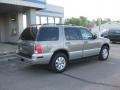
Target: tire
(58,63)
(104,53)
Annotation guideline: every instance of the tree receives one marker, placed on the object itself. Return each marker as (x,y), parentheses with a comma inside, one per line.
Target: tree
(101,21)
(74,21)
(81,21)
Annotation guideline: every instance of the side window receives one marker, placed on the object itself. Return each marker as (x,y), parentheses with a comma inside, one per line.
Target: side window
(48,34)
(86,35)
(72,33)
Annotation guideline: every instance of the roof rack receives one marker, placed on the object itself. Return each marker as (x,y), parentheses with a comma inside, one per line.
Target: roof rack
(50,24)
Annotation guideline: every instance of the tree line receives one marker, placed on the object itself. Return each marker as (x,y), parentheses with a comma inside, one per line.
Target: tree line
(83,21)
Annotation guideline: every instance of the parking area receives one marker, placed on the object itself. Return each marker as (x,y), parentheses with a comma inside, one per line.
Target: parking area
(7,48)
(86,75)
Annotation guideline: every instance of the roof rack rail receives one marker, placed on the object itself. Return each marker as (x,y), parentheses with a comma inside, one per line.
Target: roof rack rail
(43,24)
(51,24)
(35,24)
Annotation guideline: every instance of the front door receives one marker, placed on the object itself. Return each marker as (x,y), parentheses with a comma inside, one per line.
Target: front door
(91,45)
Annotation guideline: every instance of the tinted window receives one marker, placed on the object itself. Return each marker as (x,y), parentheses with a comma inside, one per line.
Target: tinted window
(86,35)
(29,34)
(48,34)
(114,31)
(72,34)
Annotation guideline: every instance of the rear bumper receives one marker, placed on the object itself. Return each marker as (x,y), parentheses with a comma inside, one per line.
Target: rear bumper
(37,58)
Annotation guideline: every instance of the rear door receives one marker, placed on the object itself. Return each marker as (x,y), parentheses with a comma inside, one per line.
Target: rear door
(91,45)
(48,38)
(73,42)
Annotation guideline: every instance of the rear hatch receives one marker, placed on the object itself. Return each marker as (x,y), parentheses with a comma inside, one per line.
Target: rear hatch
(40,40)
(27,41)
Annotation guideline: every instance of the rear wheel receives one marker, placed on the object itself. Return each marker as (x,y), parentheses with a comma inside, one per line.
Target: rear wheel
(59,63)
(104,53)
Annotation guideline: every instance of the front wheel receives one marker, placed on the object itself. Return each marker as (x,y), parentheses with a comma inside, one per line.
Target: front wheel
(58,63)
(104,53)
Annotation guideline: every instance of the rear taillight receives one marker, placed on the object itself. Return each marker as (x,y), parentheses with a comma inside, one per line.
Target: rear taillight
(37,48)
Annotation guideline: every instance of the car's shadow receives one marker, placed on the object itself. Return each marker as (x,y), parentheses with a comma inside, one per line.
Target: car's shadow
(83,62)
(38,68)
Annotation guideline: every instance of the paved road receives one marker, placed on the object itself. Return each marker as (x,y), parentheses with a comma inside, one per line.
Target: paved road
(86,75)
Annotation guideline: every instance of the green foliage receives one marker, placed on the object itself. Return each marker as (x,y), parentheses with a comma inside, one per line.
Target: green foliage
(101,21)
(74,21)
(83,21)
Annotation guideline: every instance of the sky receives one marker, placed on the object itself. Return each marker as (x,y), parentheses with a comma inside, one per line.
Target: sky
(92,9)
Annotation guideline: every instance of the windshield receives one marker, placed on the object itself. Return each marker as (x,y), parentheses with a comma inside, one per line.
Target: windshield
(29,33)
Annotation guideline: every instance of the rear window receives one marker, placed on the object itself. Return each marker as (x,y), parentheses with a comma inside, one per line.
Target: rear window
(48,34)
(29,34)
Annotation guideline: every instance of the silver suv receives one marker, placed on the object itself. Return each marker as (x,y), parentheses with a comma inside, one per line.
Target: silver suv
(57,45)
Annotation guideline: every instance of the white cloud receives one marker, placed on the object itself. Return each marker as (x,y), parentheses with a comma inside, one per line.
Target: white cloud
(90,8)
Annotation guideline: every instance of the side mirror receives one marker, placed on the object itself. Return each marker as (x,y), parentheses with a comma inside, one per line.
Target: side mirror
(94,36)
(105,36)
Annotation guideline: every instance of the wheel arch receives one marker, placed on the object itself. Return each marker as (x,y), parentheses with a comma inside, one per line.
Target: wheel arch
(106,44)
(100,54)
(61,51)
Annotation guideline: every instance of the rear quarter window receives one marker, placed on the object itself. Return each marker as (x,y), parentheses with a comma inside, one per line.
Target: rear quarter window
(48,34)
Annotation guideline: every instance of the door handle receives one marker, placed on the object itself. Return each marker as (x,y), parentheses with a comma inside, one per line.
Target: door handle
(68,43)
(85,42)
